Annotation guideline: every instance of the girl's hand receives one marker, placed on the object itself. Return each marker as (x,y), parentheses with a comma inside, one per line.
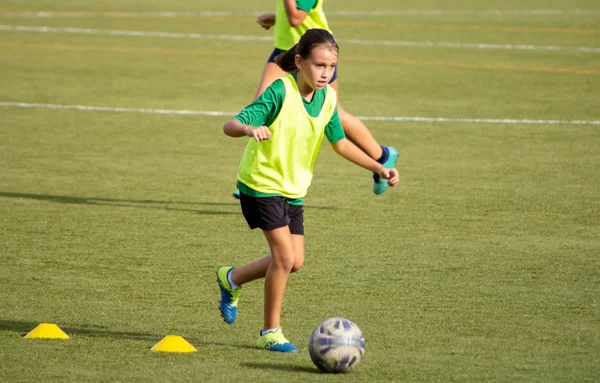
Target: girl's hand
(391,175)
(266,20)
(259,133)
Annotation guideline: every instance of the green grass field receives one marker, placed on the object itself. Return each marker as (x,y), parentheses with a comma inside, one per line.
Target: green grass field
(483,265)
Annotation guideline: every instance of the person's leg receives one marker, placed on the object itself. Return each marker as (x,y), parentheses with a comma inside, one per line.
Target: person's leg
(282,261)
(281,243)
(232,278)
(359,134)
(271,73)
(251,271)
(357,131)
(298,243)
(271,337)
(258,269)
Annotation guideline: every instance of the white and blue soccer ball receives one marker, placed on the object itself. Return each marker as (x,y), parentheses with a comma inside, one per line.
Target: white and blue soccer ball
(336,345)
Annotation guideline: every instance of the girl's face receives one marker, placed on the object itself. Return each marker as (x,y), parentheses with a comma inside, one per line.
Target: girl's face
(319,67)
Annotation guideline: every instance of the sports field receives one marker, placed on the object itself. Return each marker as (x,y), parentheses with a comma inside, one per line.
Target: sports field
(116,181)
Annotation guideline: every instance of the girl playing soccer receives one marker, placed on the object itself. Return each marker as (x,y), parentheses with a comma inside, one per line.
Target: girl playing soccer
(287,123)
(291,19)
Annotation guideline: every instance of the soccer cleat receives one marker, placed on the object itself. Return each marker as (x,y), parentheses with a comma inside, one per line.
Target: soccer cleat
(236,194)
(229,297)
(275,341)
(380,185)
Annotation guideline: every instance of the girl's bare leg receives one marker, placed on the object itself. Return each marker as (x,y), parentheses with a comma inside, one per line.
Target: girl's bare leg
(251,271)
(271,73)
(258,269)
(288,256)
(282,261)
(356,131)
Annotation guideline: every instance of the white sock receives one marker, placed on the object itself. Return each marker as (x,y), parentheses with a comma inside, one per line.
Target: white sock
(233,285)
(269,330)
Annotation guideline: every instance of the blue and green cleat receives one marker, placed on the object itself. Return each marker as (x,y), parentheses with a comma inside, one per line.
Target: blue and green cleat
(380,185)
(275,341)
(236,194)
(229,296)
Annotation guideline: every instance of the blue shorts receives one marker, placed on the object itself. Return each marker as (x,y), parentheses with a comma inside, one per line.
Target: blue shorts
(276,53)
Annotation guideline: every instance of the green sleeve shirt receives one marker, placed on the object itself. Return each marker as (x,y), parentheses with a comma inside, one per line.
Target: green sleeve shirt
(306,5)
(265,109)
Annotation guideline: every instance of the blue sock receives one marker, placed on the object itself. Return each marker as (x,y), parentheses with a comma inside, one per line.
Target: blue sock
(233,285)
(265,332)
(385,155)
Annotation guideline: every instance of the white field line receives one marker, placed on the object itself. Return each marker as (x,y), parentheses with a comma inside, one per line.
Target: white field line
(409,12)
(115,110)
(442,12)
(230,114)
(173,35)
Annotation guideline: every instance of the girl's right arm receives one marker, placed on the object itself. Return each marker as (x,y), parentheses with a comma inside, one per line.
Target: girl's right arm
(234,128)
(254,119)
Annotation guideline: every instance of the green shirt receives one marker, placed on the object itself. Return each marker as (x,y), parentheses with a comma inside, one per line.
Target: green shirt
(285,35)
(306,5)
(264,111)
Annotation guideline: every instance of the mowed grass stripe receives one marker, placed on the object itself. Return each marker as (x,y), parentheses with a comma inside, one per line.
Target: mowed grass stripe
(455,27)
(171,14)
(229,53)
(115,222)
(215,17)
(90,108)
(201,36)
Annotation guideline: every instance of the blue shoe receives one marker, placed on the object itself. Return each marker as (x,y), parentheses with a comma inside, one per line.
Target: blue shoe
(380,185)
(236,194)
(275,341)
(229,297)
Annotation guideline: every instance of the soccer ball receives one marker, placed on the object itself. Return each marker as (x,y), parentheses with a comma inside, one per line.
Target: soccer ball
(336,345)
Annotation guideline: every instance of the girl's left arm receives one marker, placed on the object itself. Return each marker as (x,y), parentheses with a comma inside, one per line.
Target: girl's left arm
(295,16)
(352,153)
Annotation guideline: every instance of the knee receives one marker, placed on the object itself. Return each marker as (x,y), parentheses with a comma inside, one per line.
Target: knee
(285,261)
(298,263)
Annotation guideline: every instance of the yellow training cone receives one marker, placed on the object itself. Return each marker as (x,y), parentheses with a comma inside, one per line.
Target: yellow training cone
(173,343)
(47,331)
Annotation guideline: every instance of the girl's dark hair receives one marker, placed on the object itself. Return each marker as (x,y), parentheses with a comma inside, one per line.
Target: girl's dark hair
(309,40)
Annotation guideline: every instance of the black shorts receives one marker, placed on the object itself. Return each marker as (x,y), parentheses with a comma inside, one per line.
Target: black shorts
(268,213)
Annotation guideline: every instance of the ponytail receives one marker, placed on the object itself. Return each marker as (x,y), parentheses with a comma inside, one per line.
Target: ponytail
(287,60)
